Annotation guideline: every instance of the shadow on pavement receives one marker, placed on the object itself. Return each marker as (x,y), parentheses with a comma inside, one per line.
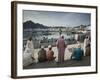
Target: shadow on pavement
(86,61)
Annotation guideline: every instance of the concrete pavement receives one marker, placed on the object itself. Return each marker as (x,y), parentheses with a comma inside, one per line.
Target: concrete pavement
(86,61)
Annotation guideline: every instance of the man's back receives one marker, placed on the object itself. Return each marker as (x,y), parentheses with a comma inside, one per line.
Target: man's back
(50,54)
(42,55)
(78,53)
(61,43)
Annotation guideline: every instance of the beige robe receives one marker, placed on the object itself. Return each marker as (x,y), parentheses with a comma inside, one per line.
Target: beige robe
(28,53)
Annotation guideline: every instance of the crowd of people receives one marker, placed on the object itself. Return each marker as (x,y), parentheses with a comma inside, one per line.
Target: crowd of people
(43,55)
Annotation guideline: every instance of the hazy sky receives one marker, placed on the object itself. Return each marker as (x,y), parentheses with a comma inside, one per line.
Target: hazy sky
(51,18)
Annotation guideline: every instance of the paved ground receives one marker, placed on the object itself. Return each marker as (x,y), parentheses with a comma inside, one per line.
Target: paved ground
(68,63)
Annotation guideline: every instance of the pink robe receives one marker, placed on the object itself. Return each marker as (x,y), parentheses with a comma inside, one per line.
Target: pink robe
(61,49)
(50,55)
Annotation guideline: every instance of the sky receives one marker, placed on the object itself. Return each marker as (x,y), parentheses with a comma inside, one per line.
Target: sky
(52,18)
